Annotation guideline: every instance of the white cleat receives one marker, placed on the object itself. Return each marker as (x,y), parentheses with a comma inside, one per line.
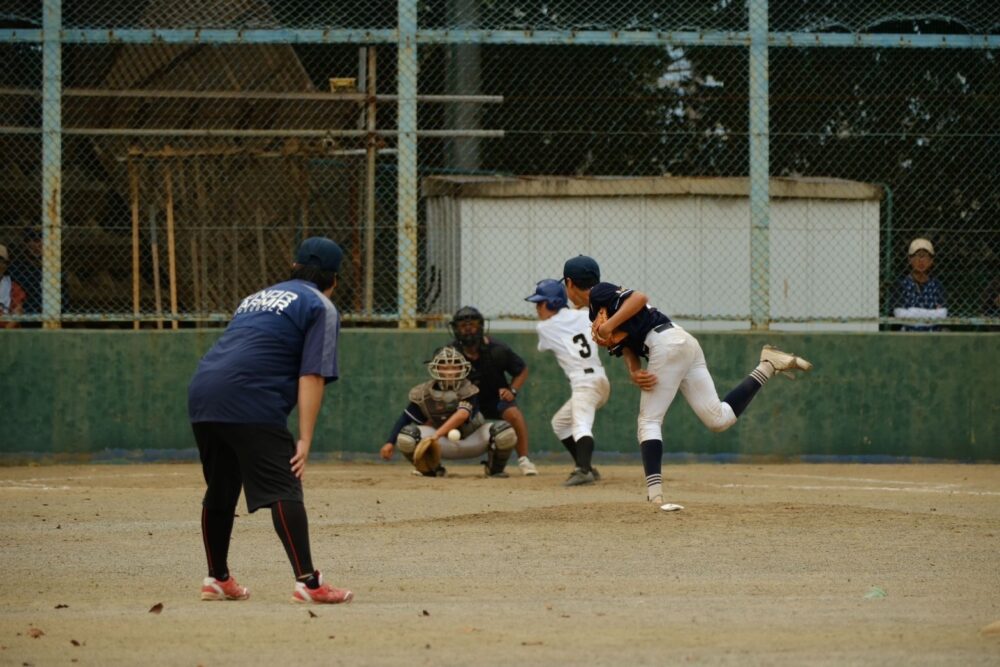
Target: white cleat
(526,466)
(783,362)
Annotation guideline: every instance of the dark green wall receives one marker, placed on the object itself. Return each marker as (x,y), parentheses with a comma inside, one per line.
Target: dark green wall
(893,394)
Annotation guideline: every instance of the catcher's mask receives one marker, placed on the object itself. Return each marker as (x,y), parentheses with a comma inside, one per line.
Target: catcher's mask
(449,368)
(467,326)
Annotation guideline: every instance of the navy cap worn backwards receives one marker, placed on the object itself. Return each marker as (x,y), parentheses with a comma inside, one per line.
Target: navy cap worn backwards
(580,268)
(320,252)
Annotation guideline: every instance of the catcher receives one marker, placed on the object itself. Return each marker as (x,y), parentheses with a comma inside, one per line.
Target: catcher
(449,401)
(624,323)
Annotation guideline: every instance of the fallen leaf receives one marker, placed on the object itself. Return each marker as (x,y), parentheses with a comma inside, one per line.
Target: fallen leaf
(426,613)
(35,633)
(312,615)
(991,629)
(75,643)
(156,608)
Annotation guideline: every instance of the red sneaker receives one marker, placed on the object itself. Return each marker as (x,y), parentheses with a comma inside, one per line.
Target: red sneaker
(213,589)
(325,594)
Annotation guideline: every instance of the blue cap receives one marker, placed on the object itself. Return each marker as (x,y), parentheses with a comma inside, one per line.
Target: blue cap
(320,252)
(580,268)
(551,292)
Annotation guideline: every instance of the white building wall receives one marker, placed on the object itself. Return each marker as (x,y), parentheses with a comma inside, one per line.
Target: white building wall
(690,254)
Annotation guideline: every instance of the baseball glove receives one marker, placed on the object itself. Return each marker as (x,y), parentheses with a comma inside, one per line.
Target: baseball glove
(616,336)
(427,455)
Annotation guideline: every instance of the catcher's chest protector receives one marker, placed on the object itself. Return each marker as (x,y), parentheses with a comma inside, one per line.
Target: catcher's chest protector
(437,404)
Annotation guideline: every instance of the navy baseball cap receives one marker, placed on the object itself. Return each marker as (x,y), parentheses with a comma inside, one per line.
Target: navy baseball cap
(551,292)
(580,268)
(320,252)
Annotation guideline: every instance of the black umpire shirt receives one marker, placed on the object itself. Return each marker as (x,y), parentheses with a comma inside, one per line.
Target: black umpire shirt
(489,372)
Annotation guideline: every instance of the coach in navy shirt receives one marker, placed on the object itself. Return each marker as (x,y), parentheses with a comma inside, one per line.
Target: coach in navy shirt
(278,353)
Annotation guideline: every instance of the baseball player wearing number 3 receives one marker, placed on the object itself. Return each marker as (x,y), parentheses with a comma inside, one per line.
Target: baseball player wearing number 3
(633,331)
(566,333)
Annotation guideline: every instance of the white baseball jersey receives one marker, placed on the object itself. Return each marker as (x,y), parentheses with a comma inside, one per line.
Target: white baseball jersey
(567,334)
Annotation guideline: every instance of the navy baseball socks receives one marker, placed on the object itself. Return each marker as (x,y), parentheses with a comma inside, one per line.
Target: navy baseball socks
(652,465)
(582,451)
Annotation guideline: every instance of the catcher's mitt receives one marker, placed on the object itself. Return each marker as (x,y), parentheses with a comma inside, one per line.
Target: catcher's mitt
(427,455)
(616,336)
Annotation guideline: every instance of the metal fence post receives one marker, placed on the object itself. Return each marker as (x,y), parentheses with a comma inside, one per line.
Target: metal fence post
(760,214)
(406,216)
(51,284)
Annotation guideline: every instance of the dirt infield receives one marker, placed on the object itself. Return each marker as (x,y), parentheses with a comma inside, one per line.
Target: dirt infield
(769,564)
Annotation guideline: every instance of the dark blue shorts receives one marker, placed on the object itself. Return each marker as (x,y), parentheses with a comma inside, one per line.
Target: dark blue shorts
(501,407)
(254,457)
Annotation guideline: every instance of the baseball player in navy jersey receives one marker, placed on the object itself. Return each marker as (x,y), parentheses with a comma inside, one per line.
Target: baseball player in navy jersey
(278,353)
(449,401)
(675,361)
(566,333)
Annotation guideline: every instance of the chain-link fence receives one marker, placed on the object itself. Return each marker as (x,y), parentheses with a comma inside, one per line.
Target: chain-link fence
(744,163)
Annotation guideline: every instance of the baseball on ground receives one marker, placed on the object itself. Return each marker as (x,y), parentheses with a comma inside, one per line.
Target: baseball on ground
(454,435)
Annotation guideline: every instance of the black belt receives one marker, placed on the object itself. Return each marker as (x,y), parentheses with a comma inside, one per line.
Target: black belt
(664,327)
(588,370)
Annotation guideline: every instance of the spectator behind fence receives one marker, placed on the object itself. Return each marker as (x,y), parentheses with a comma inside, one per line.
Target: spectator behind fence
(28,270)
(12,295)
(918,296)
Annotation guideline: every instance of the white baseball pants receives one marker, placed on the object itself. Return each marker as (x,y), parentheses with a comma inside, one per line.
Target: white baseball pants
(676,358)
(576,416)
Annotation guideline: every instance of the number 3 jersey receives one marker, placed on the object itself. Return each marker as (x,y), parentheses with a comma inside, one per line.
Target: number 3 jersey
(567,334)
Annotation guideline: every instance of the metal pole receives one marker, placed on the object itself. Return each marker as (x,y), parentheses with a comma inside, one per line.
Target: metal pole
(760,214)
(133,177)
(371,147)
(406,215)
(51,285)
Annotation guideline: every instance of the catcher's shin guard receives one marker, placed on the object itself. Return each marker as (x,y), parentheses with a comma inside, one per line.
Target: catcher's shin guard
(502,443)
(406,441)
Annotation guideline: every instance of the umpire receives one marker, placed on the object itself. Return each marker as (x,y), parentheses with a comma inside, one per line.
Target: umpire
(278,353)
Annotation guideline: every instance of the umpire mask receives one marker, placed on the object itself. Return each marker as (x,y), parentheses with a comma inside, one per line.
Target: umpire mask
(467,326)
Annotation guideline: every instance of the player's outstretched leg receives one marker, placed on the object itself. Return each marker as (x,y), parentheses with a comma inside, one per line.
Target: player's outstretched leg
(772,360)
